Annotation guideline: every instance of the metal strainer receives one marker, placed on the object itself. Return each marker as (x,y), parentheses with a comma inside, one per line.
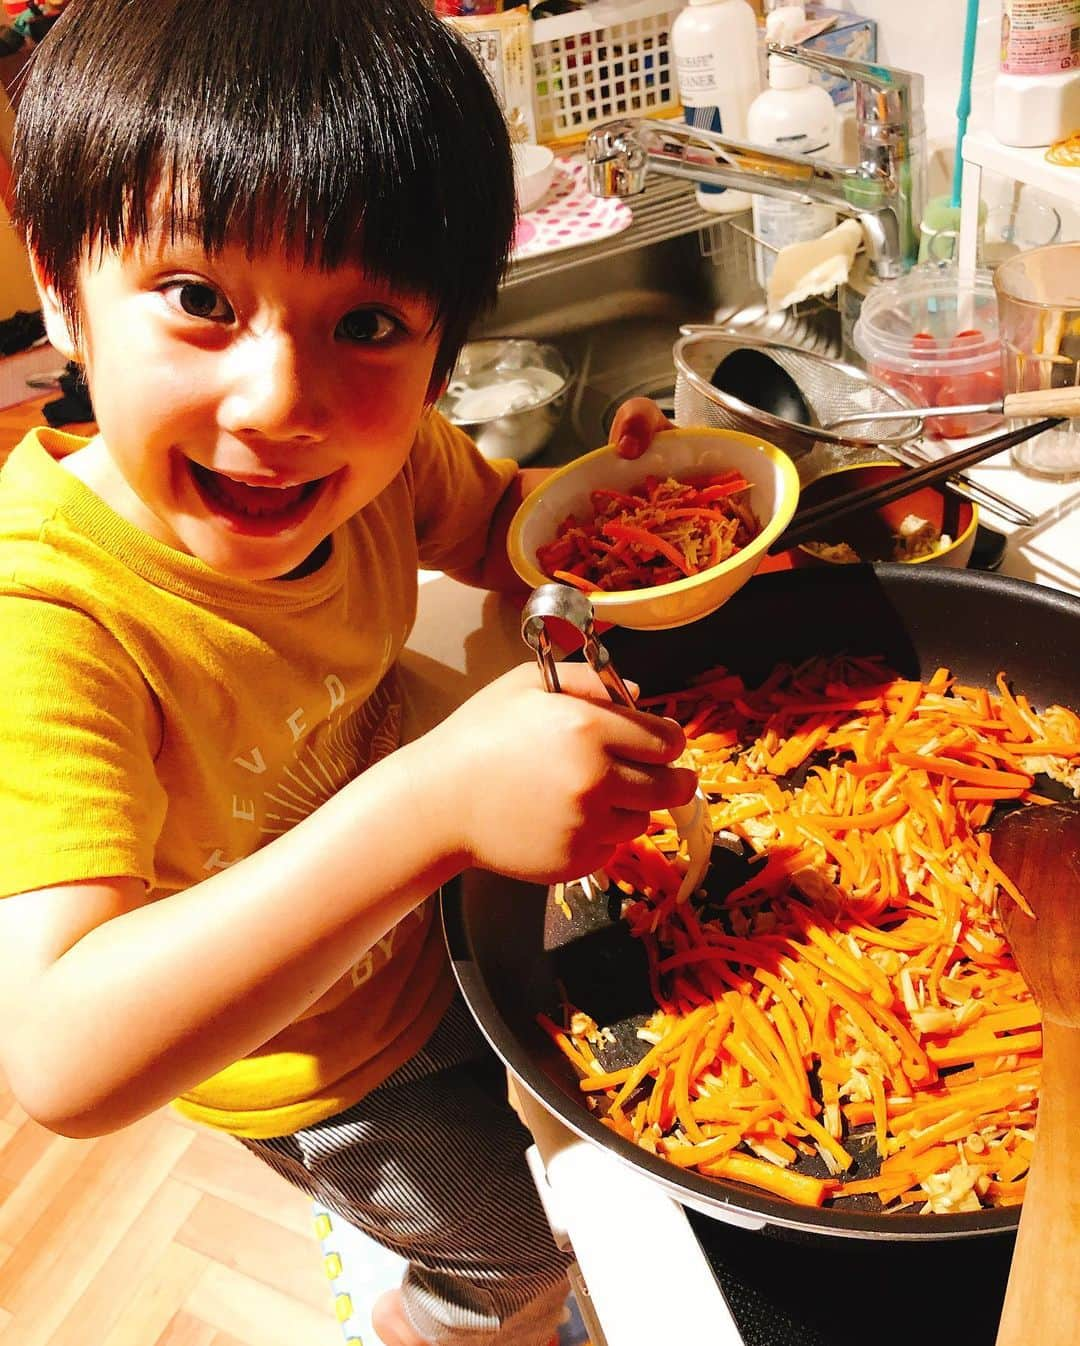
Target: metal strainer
(829,387)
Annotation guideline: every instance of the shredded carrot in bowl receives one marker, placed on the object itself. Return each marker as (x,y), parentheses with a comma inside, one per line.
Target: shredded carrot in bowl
(855,994)
(654,533)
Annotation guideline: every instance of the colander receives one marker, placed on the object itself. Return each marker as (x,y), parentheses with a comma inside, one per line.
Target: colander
(830,388)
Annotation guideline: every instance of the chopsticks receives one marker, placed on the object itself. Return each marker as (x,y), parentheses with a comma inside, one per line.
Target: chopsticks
(807,523)
(969,488)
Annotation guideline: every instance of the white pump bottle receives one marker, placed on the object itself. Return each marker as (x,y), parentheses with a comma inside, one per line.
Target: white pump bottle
(715,43)
(796,117)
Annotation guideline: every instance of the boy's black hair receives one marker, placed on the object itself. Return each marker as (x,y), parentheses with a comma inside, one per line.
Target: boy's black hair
(359,130)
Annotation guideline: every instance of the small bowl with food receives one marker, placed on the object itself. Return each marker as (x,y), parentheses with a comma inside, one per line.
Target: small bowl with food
(931,526)
(508,394)
(661,540)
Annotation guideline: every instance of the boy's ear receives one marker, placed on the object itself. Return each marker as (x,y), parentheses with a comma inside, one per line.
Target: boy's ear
(57,327)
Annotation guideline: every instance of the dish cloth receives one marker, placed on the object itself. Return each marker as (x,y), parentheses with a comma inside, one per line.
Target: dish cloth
(815,267)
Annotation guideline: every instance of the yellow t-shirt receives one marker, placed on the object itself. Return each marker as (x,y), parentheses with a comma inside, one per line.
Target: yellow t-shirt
(162,721)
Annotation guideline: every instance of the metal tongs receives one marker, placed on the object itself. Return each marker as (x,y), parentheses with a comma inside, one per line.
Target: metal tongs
(692,821)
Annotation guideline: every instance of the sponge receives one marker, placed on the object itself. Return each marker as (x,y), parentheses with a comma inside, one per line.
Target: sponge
(814,267)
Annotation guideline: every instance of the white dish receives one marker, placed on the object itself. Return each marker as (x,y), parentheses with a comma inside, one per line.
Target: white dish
(534,168)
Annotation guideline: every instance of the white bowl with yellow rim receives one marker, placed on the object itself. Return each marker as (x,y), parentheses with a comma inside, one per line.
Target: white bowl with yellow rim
(682,454)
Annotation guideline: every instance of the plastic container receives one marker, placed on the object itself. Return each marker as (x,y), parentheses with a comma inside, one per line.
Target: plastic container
(935,343)
(716,60)
(796,117)
(1037,90)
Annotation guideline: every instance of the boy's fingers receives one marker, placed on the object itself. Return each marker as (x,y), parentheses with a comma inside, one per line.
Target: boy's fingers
(580,680)
(625,825)
(630,445)
(635,735)
(635,424)
(653,787)
(651,739)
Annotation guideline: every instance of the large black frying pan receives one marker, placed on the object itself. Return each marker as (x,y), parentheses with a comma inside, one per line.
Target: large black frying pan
(511,946)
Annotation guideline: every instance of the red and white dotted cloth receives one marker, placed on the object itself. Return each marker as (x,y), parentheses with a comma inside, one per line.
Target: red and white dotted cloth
(569,215)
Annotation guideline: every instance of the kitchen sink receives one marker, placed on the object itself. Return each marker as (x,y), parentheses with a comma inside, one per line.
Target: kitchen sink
(616,318)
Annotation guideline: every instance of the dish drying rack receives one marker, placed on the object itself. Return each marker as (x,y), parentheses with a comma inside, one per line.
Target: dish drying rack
(615,59)
(609,60)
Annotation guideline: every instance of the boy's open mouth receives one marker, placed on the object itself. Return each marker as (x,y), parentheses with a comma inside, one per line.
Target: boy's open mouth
(243,501)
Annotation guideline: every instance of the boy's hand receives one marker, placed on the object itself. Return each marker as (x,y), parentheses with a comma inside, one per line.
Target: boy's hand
(635,424)
(543,787)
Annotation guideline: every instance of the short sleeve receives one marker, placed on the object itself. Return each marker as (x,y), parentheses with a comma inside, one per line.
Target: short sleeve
(455,493)
(79,797)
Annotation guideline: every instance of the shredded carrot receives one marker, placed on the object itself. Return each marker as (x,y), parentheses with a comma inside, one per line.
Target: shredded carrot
(660,531)
(859,977)
(760,1173)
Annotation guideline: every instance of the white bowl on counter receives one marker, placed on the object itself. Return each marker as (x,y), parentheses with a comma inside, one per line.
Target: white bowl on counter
(534,168)
(508,394)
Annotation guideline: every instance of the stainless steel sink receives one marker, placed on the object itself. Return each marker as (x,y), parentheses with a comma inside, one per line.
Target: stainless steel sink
(615,319)
(616,315)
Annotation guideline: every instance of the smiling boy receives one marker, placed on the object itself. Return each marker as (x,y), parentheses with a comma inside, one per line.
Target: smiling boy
(249,405)
(264,229)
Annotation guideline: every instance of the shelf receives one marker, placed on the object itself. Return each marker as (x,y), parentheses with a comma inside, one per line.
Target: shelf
(1022,165)
(983,151)
(666,209)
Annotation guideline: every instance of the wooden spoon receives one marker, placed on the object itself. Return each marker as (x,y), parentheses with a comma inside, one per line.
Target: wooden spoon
(1039,849)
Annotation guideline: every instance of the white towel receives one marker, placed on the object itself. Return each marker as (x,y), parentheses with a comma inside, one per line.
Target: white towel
(816,267)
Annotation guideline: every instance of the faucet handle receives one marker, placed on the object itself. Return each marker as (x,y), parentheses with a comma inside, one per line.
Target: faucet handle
(902,89)
(615,161)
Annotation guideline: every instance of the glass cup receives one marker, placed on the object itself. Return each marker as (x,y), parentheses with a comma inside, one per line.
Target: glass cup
(1038,295)
(1015,226)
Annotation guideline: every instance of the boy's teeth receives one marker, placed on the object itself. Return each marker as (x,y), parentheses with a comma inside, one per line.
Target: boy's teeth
(247,499)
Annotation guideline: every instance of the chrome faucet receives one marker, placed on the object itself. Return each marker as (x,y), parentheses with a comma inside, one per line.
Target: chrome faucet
(885,192)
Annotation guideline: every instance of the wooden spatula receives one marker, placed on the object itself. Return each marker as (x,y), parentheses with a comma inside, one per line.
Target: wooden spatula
(1039,849)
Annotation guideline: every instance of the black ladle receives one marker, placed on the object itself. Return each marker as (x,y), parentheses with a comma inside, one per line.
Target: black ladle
(757,380)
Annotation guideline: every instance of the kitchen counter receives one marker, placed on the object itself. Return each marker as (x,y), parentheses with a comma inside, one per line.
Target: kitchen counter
(1047,552)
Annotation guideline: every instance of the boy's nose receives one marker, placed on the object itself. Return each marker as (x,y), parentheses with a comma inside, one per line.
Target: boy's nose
(274,392)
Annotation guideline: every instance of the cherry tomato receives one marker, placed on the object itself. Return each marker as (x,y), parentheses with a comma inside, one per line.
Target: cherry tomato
(911,386)
(923,381)
(968,337)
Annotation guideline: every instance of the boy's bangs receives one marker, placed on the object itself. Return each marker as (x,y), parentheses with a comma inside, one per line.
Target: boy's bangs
(341,130)
(408,230)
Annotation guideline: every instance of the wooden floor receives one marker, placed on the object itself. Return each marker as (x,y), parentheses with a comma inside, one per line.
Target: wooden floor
(162,1235)
(16,420)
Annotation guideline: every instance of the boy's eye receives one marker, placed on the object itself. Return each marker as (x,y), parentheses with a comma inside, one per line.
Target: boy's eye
(366,325)
(202,301)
